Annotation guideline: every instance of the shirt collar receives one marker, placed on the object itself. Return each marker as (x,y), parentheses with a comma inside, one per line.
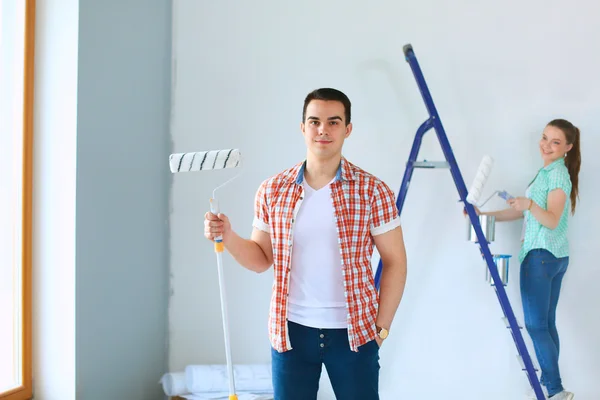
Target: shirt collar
(554,164)
(344,172)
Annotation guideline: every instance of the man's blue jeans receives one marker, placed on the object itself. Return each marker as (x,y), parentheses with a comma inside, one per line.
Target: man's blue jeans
(296,373)
(541,278)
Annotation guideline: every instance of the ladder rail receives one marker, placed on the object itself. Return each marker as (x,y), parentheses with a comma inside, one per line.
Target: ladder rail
(408,172)
(435,122)
(412,158)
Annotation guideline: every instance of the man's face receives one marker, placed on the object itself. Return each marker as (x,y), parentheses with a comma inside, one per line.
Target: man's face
(325,128)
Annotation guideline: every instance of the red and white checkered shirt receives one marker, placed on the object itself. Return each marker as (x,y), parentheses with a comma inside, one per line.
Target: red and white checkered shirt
(364,207)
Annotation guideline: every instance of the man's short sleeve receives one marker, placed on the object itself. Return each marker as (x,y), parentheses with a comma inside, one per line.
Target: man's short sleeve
(384,213)
(559,178)
(261,209)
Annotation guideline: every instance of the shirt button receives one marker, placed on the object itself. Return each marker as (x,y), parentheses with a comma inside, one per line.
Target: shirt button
(321,336)
(322,345)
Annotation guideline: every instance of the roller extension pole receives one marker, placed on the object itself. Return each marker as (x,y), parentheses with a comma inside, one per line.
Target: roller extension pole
(204,161)
(219,248)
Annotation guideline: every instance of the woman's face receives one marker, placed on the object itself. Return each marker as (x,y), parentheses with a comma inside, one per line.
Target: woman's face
(553,144)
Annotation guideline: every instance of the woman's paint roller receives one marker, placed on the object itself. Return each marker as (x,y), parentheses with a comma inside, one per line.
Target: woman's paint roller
(483,173)
(203,161)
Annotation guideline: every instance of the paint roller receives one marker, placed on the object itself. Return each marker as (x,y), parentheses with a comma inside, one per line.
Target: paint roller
(483,173)
(204,161)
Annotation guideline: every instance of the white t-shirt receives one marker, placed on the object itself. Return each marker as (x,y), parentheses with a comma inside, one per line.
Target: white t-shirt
(317,296)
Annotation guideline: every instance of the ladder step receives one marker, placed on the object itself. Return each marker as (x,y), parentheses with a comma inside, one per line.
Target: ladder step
(431,164)
(520,358)
(508,324)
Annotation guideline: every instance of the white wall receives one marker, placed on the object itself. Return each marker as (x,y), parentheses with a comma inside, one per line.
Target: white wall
(498,72)
(55,170)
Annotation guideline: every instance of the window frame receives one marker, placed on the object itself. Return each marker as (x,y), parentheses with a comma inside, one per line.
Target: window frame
(25,391)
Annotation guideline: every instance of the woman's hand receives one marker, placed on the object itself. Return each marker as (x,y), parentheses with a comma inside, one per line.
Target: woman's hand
(476,211)
(520,203)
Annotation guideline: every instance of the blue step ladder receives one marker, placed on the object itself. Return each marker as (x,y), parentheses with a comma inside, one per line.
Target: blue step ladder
(434,122)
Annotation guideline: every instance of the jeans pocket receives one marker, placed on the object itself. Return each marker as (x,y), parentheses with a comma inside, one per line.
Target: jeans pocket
(534,267)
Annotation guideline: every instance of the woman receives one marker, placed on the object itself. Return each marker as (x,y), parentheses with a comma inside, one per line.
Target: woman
(544,251)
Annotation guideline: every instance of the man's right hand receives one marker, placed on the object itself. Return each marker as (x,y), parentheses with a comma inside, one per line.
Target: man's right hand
(255,254)
(215,226)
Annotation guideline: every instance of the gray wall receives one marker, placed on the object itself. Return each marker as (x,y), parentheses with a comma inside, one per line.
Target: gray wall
(122,190)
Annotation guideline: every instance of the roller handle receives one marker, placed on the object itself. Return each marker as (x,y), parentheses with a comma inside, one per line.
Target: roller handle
(214,208)
(505,195)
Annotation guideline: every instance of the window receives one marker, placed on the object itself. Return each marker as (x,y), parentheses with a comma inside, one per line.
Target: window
(17,20)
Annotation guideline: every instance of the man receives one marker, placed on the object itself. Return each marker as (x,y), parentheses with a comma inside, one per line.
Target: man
(325,308)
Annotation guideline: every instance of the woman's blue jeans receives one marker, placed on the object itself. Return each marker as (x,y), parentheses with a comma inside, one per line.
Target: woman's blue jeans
(541,279)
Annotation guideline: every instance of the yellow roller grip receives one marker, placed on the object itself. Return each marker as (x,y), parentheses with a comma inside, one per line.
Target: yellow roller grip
(219,247)
(233,397)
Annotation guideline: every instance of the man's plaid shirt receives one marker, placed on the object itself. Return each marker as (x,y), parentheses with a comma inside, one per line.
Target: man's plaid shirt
(364,207)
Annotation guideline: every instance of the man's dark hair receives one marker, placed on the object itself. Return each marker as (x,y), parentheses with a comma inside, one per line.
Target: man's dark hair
(328,94)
